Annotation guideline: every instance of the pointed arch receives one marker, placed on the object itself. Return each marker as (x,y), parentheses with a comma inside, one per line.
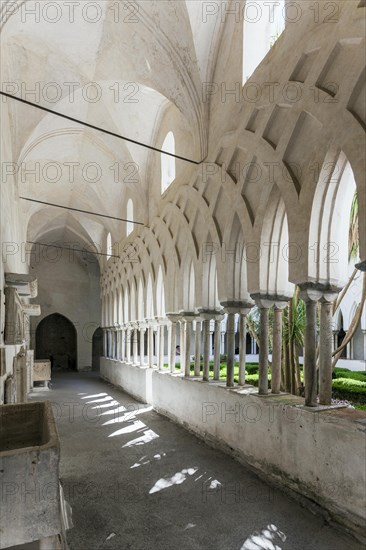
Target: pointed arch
(329,222)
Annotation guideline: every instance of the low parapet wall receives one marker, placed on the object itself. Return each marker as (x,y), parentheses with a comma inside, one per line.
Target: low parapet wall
(318,453)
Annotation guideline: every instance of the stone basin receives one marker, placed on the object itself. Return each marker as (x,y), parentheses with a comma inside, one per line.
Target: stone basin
(29,473)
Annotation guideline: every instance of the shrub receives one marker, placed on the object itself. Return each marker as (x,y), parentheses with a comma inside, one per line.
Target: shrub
(252,368)
(353,386)
(350,375)
(347,388)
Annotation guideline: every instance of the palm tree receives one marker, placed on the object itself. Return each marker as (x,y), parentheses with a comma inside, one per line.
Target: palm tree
(353,236)
(293,342)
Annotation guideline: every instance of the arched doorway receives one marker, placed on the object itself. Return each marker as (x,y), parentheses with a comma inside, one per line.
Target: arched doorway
(97,348)
(56,340)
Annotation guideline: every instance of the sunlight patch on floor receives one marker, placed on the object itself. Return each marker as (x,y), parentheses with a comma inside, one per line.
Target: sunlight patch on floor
(142,460)
(126,415)
(264,540)
(137,425)
(105,406)
(92,396)
(101,400)
(148,436)
(176,479)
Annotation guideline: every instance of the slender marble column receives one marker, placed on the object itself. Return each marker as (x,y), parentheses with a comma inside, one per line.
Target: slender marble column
(349,349)
(277,350)
(161,347)
(230,333)
(310,377)
(325,353)
(151,346)
(109,345)
(197,349)
(104,343)
(263,352)
(223,347)
(172,345)
(182,345)
(123,344)
(135,346)
(242,348)
(217,350)
(128,344)
(142,345)
(206,350)
(187,369)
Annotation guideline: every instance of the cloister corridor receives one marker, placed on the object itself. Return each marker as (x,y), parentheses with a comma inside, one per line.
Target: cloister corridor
(135,480)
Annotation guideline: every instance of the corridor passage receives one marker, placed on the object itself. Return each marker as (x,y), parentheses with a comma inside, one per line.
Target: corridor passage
(137,481)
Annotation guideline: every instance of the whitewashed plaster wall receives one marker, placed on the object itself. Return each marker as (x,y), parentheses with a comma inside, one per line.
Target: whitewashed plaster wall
(68,284)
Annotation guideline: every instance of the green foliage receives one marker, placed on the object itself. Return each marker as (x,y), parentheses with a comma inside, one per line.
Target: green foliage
(349,375)
(353,235)
(347,388)
(351,386)
(297,330)
(252,368)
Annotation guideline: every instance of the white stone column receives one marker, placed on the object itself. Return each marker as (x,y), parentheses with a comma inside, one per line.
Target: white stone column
(151,344)
(128,344)
(134,344)
(211,339)
(188,336)
(182,345)
(161,345)
(206,350)
(143,327)
(277,347)
(105,346)
(263,351)
(109,344)
(118,354)
(252,345)
(217,350)
(348,348)
(172,340)
(242,347)
(197,349)
(123,344)
(223,346)
(230,334)
(325,353)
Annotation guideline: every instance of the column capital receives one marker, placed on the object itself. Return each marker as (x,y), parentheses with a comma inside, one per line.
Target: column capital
(268,300)
(315,292)
(174,317)
(162,321)
(241,307)
(142,325)
(208,314)
(188,315)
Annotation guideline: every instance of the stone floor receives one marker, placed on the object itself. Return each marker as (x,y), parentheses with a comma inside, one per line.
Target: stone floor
(137,481)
